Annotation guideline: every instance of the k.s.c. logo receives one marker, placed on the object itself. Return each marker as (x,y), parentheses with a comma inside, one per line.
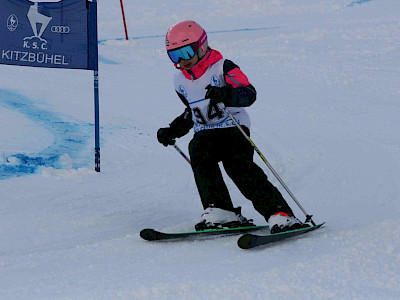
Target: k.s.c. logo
(214,80)
(12,22)
(39,23)
(182,91)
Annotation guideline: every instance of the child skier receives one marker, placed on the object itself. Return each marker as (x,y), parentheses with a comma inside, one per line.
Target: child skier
(203,81)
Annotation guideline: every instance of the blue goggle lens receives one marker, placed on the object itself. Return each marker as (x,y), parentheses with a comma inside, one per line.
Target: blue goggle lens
(185,53)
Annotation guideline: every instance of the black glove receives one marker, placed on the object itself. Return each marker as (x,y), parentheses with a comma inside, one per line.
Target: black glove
(218,94)
(165,137)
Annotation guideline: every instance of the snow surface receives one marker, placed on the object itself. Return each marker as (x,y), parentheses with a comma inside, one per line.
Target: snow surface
(327,118)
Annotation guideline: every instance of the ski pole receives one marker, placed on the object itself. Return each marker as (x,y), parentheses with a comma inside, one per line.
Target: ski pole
(308,217)
(181,153)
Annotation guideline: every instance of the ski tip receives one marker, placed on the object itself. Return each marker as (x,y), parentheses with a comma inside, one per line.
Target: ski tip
(248,241)
(148,234)
(319,225)
(245,241)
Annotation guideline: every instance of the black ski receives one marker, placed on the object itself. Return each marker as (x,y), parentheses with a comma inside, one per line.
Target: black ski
(154,235)
(249,241)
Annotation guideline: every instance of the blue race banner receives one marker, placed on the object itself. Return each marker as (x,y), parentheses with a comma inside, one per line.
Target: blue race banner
(51,35)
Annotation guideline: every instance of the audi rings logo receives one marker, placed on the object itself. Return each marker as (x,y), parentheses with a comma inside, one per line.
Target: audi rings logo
(61,29)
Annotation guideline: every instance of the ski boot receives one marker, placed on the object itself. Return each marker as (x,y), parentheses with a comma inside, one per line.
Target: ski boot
(217,218)
(281,222)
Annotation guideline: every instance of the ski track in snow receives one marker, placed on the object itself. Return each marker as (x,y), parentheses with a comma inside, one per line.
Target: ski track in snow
(69,139)
(326,117)
(358,2)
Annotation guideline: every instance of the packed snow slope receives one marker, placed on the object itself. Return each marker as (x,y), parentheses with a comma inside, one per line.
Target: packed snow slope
(327,118)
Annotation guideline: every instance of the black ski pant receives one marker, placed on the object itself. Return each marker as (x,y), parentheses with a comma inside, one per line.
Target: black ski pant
(229,146)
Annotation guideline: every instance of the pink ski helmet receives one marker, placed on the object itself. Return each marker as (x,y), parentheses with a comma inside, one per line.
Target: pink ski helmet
(184,39)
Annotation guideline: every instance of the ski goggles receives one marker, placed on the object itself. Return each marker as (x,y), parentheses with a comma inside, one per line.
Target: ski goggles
(185,52)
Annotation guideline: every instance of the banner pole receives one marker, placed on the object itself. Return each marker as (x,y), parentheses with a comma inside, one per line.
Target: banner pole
(96,96)
(97,121)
